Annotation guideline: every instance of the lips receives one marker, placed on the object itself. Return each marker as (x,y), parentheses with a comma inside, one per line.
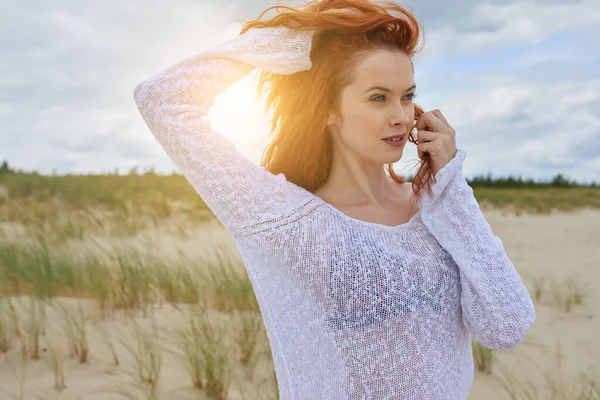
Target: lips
(393,137)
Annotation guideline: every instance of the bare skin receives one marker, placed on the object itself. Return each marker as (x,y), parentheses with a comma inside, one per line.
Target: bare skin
(357,184)
(399,210)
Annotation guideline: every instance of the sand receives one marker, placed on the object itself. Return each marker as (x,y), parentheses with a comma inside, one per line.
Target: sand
(556,248)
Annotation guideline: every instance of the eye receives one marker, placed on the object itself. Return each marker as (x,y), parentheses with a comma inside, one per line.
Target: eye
(378,98)
(411,96)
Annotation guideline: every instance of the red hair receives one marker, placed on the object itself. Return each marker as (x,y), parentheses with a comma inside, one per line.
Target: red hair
(300,146)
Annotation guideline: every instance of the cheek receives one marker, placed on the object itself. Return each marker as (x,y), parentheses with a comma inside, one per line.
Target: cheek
(363,122)
(410,110)
(361,131)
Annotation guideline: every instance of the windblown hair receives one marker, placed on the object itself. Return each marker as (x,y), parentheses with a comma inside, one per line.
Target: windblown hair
(300,145)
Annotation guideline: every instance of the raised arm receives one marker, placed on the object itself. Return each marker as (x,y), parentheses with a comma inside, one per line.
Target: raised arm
(241,194)
(497,308)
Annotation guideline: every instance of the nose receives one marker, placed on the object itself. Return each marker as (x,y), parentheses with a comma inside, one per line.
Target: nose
(399,115)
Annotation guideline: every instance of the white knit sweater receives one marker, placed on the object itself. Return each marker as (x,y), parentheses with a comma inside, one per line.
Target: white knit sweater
(353,309)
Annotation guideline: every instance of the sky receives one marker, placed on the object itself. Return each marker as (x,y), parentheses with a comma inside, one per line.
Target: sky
(518,80)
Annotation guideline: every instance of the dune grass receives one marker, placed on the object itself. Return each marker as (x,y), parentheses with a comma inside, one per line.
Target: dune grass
(554,384)
(539,200)
(54,357)
(483,357)
(74,324)
(220,329)
(75,206)
(134,282)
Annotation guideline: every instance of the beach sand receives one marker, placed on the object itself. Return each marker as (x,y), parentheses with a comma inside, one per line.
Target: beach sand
(548,249)
(552,250)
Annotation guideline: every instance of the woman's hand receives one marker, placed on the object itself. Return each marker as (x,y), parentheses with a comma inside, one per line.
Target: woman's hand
(436,137)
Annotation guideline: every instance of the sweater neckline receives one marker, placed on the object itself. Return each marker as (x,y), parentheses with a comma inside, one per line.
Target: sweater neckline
(347,217)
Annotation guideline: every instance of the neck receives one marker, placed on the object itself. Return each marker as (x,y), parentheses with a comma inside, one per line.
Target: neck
(354,181)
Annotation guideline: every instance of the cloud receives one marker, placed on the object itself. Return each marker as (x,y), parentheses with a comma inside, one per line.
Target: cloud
(535,130)
(518,77)
(71,75)
(492,25)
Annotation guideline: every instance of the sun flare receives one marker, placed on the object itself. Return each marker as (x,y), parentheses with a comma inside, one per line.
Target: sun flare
(239,115)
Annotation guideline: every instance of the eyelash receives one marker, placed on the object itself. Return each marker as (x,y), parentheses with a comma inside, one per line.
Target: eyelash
(411,98)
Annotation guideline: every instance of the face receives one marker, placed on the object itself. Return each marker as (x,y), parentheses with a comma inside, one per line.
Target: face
(376,105)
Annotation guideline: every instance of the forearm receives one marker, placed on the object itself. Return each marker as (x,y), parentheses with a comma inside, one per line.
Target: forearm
(497,307)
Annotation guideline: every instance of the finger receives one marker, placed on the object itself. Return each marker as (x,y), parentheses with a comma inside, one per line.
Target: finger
(441,117)
(426,136)
(428,147)
(423,148)
(430,122)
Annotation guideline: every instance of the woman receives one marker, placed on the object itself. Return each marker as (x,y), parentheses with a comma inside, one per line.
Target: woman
(364,294)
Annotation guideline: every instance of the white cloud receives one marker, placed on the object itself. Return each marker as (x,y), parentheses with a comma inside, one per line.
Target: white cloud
(69,78)
(524,128)
(69,68)
(491,25)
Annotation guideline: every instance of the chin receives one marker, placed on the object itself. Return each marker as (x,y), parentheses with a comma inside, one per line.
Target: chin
(396,158)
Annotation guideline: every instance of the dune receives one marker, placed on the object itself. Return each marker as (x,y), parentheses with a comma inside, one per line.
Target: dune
(557,255)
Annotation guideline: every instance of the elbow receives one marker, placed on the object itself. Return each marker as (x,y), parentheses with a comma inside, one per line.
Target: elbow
(136,92)
(150,96)
(502,342)
(139,93)
(508,333)
(150,91)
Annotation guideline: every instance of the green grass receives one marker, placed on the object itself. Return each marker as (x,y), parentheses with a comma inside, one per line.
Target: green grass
(113,192)
(39,265)
(539,201)
(82,202)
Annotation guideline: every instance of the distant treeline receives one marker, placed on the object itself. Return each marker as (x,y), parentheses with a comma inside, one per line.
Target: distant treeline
(559,180)
(480,181)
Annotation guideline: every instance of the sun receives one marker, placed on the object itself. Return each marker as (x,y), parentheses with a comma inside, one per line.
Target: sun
(239,115)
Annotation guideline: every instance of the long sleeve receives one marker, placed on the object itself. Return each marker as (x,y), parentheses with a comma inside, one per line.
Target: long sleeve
(242,195)
(497,308)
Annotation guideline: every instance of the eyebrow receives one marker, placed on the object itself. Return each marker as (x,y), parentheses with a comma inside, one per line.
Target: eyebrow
(384,89)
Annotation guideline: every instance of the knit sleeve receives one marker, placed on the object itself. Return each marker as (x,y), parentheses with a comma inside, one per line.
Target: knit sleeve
(497,308)
(173,104)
